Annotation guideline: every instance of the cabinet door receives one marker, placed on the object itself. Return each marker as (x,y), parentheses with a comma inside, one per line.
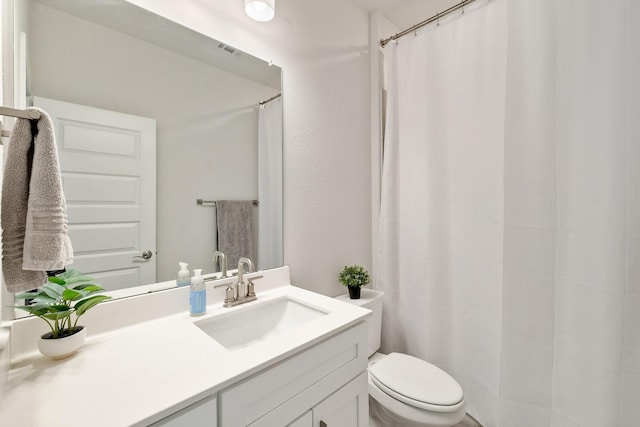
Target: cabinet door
(304,421)
(347,407)
(200,414)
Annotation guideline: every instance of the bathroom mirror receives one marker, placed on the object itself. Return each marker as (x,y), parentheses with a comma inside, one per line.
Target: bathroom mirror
(203,95)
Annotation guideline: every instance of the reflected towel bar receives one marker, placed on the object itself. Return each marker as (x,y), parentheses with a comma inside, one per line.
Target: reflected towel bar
(201,202)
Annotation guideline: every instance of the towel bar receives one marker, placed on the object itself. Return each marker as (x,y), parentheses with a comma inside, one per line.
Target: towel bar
(14,112)
(201,202)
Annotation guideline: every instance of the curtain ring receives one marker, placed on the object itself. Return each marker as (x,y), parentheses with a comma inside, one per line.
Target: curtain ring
(438,20)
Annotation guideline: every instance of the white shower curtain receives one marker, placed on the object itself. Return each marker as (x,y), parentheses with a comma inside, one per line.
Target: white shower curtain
(270,250)
(510,216)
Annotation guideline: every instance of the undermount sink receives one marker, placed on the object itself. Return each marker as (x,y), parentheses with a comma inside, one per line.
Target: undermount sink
(253,324)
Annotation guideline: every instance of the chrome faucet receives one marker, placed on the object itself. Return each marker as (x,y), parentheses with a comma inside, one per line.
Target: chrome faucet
(223,262)
(241,292)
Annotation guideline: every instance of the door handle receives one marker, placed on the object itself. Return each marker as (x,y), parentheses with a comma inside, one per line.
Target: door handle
(323,424)
(145,255)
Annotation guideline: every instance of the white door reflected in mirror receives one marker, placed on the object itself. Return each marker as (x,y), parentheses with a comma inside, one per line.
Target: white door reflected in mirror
(108,166)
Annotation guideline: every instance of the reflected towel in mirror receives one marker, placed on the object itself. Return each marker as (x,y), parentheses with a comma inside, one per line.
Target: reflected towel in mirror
(236,237)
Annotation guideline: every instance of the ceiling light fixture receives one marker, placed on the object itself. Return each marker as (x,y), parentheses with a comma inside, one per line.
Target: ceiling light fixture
(260,10)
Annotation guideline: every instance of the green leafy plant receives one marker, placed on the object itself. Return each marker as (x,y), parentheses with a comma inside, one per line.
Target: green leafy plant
(65,295)
(354,275)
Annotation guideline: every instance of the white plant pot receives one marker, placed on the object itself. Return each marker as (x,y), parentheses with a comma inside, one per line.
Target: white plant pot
(61,348)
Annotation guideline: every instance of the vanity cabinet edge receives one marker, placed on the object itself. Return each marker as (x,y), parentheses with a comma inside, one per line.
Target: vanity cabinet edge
(282,393)
(202,413)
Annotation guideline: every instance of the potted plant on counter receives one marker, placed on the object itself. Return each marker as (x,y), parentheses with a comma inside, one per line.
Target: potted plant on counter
(354,277)
(60,303)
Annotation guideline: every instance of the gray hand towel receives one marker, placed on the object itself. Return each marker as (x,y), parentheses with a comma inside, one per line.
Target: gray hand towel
(34,223)
(235,230)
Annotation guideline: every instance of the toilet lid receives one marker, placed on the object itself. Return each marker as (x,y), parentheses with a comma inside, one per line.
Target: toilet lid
(416,382)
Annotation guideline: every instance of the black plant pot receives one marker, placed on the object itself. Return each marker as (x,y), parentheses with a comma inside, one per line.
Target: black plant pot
(354,292)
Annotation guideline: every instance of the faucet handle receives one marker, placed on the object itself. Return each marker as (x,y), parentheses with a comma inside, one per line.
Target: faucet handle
(229,296)
(250,287)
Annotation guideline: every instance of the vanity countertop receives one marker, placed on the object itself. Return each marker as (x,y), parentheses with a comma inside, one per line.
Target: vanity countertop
(142,373)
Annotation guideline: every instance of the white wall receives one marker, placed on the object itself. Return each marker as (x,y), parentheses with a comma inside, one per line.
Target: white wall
(323,50)
(207,121)
(412,12)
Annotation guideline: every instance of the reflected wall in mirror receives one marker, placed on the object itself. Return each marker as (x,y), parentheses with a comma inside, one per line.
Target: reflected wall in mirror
(204,97)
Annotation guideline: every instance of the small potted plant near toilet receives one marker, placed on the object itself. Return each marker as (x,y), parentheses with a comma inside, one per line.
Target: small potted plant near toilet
(60,303)
(354,277)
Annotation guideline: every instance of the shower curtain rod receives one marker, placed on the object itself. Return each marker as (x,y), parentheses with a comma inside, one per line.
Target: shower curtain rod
(270,99)
(434,18)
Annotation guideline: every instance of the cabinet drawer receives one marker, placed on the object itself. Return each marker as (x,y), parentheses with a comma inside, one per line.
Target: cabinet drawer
(200,414)
(308,376)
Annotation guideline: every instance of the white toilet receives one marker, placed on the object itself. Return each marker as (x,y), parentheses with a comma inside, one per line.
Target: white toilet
(404,390)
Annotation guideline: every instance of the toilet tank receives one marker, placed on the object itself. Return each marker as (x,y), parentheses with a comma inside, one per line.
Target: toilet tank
(371,299)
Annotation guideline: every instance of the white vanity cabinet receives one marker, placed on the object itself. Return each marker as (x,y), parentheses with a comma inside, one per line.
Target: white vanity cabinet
(345,407)
(312,373)
(200,414)
(324,385)
(348,406)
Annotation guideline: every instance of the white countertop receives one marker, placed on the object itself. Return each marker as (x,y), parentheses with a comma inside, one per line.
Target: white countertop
(140,374)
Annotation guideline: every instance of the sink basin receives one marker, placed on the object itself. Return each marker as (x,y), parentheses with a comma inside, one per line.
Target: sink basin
(254,324)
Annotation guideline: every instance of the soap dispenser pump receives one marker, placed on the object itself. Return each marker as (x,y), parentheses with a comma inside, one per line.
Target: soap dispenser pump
(183,275)
(198,294)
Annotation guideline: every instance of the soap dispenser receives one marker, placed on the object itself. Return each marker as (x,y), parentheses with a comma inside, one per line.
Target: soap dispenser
(198,294)
(183,275)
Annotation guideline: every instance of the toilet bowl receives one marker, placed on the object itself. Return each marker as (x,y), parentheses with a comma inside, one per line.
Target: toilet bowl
(409,392)
(405,391)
